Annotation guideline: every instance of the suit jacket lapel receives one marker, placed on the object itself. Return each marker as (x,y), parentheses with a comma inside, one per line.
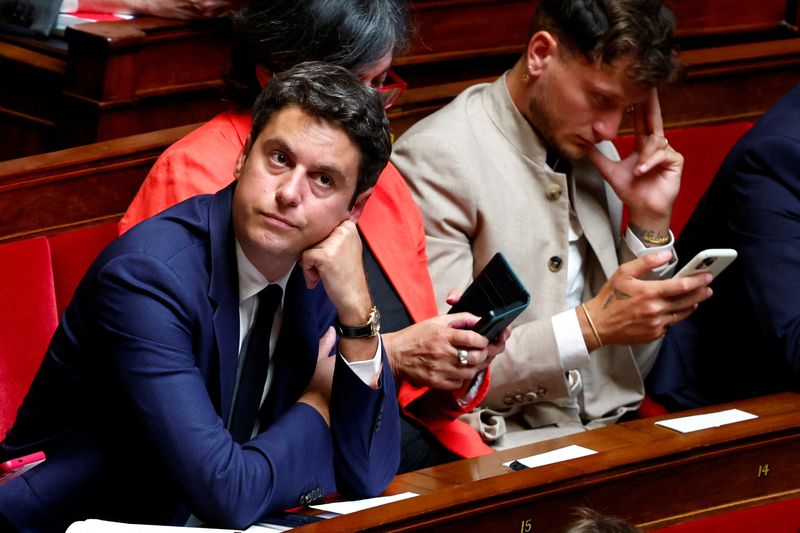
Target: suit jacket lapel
(223,292)
(592,209)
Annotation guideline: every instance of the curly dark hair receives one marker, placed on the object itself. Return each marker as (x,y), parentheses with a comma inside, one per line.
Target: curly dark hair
(336,95)
(606,30)
(278,34)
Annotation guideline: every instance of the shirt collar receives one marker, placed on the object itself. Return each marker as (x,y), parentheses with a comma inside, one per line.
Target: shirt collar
(252,281)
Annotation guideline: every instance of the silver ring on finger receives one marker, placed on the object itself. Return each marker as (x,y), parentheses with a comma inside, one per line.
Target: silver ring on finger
(462,357)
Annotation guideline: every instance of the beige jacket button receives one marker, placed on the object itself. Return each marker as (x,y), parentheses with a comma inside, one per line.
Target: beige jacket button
(553,191)
(531,397)
(555,263)
(508,400)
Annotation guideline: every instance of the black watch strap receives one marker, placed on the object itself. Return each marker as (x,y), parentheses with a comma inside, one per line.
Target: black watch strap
(370,329)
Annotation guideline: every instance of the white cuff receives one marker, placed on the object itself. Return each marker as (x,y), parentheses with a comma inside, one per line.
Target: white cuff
(569,339)
(366,370)
(640,249)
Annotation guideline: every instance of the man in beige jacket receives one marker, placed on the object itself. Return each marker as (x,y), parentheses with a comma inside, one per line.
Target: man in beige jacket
(523,166)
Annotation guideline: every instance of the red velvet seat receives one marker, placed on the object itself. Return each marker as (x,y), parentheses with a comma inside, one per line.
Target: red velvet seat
(27,319)
(704,148)
(778,517)
(72,253)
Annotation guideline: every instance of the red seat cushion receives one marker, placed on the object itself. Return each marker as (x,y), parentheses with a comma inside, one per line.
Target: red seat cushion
(704,148)
(73,253)
(27,320)
(778,517)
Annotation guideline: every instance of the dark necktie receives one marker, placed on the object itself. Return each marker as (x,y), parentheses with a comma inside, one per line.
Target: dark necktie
(256,364)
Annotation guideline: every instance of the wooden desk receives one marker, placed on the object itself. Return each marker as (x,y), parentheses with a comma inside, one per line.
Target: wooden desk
(107,80)
(647,474)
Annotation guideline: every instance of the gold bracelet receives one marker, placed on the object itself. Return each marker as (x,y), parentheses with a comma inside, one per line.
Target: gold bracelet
(591,325)
(656,241)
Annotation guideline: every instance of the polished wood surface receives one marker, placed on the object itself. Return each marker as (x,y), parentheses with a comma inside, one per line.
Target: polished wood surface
(647,474)
(113,79)
(57,191)
(107,80)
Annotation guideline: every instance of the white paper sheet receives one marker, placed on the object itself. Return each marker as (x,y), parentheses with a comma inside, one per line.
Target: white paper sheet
(688,424)
(104,526)
(554,456)
(358,505)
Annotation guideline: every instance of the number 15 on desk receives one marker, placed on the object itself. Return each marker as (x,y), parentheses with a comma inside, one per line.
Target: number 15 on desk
(527,526)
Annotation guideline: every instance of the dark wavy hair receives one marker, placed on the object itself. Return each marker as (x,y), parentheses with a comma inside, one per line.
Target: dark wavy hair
(336,95)
(606,30)
(278,34)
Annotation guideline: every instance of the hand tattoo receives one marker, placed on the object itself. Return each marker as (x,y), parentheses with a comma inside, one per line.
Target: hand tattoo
(618,295)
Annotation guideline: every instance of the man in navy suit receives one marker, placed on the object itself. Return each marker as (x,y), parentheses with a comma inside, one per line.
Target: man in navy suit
(134,397)
(745,340)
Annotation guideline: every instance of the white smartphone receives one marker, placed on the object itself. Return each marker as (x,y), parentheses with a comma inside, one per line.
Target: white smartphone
(713,261)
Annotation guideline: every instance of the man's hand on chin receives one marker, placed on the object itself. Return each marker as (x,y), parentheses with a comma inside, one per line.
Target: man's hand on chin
(337,262)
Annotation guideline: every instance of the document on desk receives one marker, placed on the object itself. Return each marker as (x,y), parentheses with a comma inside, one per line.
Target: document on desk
(360,505)
(687,424)
(553,456)
(104,526)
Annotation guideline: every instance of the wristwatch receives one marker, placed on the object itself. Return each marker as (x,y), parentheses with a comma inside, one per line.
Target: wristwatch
(370,329)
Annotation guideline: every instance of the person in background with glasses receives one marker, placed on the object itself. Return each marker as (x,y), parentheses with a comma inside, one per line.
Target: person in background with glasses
(438,362)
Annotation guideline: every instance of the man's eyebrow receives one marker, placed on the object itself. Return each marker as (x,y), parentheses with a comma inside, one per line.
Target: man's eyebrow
(273,143)
(331,170)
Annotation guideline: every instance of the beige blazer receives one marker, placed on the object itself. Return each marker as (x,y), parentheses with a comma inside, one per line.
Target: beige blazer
(478,171)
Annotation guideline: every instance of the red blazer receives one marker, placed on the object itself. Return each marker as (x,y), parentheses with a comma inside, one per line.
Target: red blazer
(391,224)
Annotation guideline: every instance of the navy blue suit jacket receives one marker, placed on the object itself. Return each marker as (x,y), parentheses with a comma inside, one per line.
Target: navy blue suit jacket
(745,340)
(131,397)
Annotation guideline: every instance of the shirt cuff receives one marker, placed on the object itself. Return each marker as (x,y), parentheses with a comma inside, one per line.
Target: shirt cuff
(69,6)
(640,249)
(366,370)
(569,339)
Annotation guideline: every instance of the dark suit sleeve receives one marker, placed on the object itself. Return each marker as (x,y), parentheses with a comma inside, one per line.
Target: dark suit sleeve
(763,214)
(365,425)
(148,324)
(37,15)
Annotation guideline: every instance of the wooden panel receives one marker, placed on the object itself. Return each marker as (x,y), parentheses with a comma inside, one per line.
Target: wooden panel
(714,17)
(108,80)
(644,473)
(449,29)
(52,192)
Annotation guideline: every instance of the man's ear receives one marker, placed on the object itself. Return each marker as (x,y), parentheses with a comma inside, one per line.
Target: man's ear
(358,205)
(237,169)
(542,48)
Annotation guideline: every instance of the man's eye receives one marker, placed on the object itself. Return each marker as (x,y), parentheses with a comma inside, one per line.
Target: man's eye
(603,100)
(324,180)
(279,158)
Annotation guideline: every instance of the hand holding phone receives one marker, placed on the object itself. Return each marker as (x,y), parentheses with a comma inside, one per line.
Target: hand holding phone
(16,467)
(712,261)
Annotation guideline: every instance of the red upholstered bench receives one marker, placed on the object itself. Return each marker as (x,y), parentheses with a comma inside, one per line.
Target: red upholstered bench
(703,148)
(28,318)
(37,279)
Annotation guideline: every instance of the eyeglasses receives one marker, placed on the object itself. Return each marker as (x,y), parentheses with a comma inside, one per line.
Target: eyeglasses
(390,92)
